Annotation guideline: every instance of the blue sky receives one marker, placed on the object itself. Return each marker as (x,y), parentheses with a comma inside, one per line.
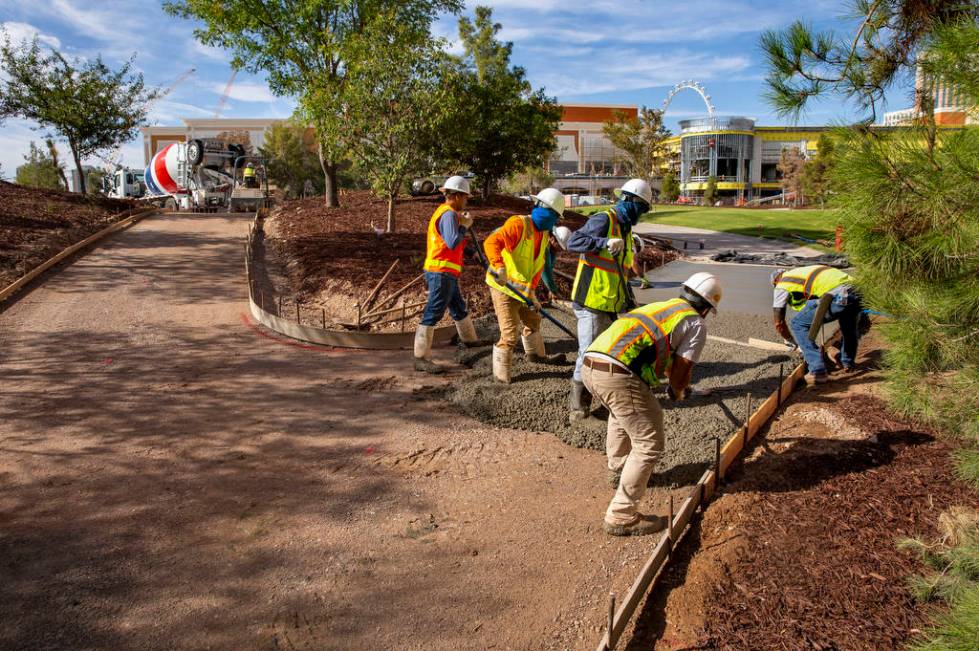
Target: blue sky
(621,52)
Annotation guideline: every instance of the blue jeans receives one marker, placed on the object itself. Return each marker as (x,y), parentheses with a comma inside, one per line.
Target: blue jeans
(443,292)
(846,309)
(590,325)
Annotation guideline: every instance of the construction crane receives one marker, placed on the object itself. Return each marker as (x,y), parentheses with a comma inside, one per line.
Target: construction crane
(226,93)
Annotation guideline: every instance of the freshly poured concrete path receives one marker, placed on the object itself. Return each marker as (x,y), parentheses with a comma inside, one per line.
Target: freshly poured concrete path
(715,242)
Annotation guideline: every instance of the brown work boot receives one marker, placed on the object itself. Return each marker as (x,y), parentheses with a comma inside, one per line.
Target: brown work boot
(643,526)
(816,378)
(428,366)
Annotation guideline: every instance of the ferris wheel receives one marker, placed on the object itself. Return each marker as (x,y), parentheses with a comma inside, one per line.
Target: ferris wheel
(697,88)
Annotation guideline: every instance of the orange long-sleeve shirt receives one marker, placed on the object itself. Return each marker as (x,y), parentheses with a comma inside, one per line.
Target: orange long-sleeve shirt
(508,236)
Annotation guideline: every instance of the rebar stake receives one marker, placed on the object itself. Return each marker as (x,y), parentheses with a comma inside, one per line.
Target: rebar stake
(298,320)
(358,316)
(611,620)
(404,313)
(323,314)
(279,313)
(669,528)
(717,462)
(781,381)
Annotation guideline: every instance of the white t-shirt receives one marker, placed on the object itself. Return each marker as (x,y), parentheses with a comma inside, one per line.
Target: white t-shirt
(688,338)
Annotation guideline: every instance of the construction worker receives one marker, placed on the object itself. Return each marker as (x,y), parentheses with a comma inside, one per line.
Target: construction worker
(655,342)
(249,176)
(600,289)
(801,289)
(446,241)
(516,253)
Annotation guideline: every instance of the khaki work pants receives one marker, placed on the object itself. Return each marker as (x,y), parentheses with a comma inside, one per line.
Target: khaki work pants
(635,438)
(511,314)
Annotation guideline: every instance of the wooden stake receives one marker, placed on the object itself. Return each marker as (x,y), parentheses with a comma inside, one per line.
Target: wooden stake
(404,311)
(389,299)
(370,297)
(323,314)
(611,620)
(669,526)
(747,416)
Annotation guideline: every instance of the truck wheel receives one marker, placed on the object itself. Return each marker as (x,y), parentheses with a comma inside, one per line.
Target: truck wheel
(170,205)
(195,152)
(428,187)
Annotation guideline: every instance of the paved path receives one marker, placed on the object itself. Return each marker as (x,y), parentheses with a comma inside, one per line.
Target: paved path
(715,241)
(173,478)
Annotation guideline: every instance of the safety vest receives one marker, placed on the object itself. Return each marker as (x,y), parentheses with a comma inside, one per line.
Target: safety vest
(249,172)
(805,283)
(597,283)
(522,265)
(439,257)
(640,339)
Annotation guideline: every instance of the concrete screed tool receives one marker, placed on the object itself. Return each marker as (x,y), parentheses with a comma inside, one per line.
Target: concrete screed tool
(529,303)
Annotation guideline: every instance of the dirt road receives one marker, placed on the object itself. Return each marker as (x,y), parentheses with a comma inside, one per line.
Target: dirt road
(171,477)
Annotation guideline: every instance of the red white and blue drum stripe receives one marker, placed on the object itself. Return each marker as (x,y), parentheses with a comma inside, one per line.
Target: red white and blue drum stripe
(161,174)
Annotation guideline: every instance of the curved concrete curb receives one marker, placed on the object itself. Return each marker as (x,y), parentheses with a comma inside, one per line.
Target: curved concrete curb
(312,334)
(18,284)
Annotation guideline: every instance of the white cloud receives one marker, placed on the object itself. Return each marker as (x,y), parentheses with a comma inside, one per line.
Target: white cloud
(246,91)
(20,32)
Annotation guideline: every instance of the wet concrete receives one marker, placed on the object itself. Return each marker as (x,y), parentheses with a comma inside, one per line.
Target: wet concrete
(537,398)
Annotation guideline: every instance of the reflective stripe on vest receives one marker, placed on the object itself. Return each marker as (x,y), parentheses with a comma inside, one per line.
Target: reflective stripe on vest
(522,266)
(597,284)
(805,283)
(640,329)
(438,256)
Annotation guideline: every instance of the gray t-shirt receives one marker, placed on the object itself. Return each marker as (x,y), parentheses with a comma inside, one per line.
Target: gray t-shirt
(688,338)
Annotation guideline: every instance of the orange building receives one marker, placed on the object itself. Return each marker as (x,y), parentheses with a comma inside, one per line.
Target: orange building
(582,149)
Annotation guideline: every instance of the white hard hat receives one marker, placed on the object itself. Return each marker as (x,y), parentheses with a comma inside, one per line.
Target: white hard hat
(706,286)
(639,188)
(456,184)
(551,198)
(639,243)
(562,234)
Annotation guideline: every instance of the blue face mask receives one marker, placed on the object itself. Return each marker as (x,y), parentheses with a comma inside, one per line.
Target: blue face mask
(630,210)
(544,218)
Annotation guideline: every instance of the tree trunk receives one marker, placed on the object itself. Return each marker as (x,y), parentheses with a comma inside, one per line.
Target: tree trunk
(329,179)
(391,198)
(53,153)
(485,190)
(81,173)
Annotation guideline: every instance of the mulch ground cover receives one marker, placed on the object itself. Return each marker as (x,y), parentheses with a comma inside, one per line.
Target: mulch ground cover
(37,224)
(323,247)
(821,568)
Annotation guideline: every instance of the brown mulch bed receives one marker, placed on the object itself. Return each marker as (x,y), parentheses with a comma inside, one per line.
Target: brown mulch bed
(37,224)
(326,248)
(821,569)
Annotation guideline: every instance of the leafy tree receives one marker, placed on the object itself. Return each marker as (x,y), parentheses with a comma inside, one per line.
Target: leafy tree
(642,141)
(817,171)
(93,180)
(39,170)
(304,46)
(93,108)
(291,158)
(530,180)
(499,124)
(710,192)
(53,154)
(791,163)
(671,187)
(908,199)
(391,112)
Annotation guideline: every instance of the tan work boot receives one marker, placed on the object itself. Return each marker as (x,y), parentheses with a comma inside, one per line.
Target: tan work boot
(423,351)
(467,334)
(502,357)
(643,526)
(813,379)
(533,347)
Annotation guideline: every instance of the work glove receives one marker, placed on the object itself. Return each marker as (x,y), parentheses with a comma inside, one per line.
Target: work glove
(672,395)
(637,243)
(615,245)
(466,220)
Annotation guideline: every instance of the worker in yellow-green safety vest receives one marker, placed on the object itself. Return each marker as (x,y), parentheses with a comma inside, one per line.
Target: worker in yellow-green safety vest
(517,252)
(801,288)
(600,289)
(249,176)
(655,343)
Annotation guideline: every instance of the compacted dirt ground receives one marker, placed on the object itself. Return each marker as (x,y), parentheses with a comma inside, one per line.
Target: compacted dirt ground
(333,257)
(800,550)
(37,224)
(172,477)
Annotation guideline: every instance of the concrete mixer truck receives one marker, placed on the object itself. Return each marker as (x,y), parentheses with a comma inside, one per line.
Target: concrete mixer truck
(203,175)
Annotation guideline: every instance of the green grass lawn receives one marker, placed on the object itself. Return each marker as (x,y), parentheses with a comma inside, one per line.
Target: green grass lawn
(775,224)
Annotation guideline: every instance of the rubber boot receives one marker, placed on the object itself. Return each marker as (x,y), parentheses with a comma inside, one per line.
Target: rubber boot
(423,350)
(643,526)
(533,346)
(579,401)
(501,364)
(467,334)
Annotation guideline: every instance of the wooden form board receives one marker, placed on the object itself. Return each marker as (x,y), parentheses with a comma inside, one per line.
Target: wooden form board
(18,284)
(702,492)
